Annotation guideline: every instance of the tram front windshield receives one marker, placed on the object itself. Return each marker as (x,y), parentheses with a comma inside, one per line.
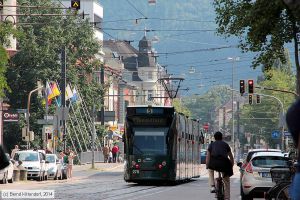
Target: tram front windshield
(151,141)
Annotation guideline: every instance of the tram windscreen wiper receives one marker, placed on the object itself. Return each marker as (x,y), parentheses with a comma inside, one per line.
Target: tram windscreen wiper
(137,148)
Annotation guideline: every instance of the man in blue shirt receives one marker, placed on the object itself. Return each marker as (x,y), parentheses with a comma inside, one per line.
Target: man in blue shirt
(293,123)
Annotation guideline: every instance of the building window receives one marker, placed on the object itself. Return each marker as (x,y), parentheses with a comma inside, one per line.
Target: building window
(150,95)
(98,22)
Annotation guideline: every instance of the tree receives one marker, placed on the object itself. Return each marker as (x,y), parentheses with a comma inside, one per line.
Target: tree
(203,107)
(262,119)
(179,107)
(6,30)
(262,26)
(38,56)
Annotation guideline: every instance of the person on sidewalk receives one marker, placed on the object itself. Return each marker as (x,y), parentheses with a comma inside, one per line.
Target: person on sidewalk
(13,152)
(71,157)
(105,152)
(115,151)
(110,158)
(217,160)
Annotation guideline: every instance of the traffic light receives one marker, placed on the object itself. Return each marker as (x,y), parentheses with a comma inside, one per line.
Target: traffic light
(250,86)
(258,99)
(75,4)
(250,99)
(242,87)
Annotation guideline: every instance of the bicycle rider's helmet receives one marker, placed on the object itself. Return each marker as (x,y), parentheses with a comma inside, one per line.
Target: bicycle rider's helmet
(292,120)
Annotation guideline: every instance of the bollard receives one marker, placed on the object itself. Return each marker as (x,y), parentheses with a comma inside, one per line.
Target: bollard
(23,173)
(16,174)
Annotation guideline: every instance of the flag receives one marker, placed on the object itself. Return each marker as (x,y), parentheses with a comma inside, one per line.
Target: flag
(75,95)
(48,93)
(55,91)
(69,92)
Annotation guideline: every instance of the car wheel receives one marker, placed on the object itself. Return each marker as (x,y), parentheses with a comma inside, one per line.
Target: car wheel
(4,180)
(11,180)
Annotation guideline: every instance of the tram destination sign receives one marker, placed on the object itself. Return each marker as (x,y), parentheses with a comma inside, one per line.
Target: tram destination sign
(149,121)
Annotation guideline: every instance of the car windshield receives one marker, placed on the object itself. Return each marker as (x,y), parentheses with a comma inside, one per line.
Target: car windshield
(150,141)
(50,158)
(269,161)
(26,156)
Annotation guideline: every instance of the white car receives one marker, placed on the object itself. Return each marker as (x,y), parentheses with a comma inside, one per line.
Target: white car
(257,177)
(55,169)
(34,162)
(6,174)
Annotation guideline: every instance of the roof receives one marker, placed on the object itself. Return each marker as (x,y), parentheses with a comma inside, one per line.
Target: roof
(128,54)
(272,150)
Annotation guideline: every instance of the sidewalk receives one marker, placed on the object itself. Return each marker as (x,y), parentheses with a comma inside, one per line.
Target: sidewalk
(100,166)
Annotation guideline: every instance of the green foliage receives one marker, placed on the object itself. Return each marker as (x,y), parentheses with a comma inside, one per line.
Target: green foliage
(262,119)
(38,57)
(180,108)
(3,68)
(262,26)
(203,107)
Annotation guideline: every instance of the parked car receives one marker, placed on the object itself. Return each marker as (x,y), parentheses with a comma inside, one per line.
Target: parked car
(35,162)
(6,174)
(203,156)
(257,177)
(55,169)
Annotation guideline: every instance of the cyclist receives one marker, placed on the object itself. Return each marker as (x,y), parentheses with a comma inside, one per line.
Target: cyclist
(292,120)
(217,159)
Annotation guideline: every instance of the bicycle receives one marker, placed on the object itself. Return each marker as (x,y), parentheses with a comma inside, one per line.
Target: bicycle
(282,176)
(219,187)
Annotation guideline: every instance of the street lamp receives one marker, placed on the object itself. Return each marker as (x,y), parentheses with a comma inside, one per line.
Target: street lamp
(233,59)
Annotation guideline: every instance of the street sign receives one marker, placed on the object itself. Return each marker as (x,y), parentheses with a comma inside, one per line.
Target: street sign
(276,134)
(75,4)
(21,110)
(10,116)
(44,121)
(287,134)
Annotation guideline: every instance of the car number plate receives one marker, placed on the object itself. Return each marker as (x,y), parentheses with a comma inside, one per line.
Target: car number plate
(265,174)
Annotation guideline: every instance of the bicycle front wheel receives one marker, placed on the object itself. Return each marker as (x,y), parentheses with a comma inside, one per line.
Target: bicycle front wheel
(220,190)
(283,193)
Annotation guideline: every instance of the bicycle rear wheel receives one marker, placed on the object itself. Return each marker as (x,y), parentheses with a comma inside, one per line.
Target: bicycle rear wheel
(283,193)
(220,190)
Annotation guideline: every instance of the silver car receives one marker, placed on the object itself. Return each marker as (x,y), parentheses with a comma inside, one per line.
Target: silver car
(55,169)
(257,177)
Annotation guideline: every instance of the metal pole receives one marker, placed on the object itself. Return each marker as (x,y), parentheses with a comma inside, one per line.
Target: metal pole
(102,101)
(63,91)
(93,138)
(232,104)
(28,113)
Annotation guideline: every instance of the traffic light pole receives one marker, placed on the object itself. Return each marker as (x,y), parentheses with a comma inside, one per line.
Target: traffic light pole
(278,90)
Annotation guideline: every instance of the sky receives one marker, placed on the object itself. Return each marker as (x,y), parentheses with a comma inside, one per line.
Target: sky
(186,50)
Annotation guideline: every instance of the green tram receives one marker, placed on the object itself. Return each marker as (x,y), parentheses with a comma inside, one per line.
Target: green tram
(161,145)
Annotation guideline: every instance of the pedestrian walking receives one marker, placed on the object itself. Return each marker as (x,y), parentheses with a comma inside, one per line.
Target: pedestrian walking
(71,157)
(13,152)
(105,151)
(115,151)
